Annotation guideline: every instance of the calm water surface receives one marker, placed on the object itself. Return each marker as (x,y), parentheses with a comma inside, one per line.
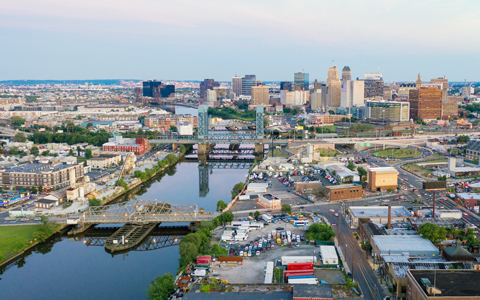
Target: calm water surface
(66,269)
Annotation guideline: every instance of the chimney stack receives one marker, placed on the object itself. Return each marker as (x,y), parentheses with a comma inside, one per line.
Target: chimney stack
(389,224)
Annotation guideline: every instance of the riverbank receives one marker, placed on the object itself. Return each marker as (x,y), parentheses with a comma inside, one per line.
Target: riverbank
(138,181)
(28,241)
(16,240)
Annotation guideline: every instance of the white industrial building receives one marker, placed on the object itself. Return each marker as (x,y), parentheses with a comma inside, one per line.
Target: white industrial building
(379,214)
(329,255)
(185,128)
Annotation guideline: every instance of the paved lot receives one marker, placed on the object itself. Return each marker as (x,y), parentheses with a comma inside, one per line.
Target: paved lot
(252,270)
(330,276)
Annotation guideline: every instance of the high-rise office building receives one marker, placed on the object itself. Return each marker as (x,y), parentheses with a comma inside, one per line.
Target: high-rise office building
(373,85)
(157,89)
(301,81)
(426,103)
(237,86)
(334,87)
(207,84)
(247,82)
(395,111)
(352,93)
(346,73)
(404,90)
(442,80)
(211,98)
(286,86)
(260,95)
(317,85)
(316,99)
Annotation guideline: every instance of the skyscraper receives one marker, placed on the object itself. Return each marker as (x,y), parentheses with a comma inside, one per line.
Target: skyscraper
(260,95)
(301,81)
(373,84)
(157,89)
(418,84)
(286,86)
(237,85)
(346,73)
(207,84)
(352,93)
(426,103)
(247,82)
(334,87)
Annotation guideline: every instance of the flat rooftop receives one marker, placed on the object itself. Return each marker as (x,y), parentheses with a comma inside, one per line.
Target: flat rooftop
(403,243)
(475,196)
(452,283)
(38,168)
(379,211)
(239,296)
(270,197)
(384,169)
(342,186)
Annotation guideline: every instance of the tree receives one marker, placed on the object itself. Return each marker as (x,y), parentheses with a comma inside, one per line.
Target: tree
(34,151)
(90,125)
(70,153)
(140,131)
(351,165)
(221,205)
(320,232)
(94,202)
(78,150)
(161,287)
(433,233)
(46,153)
(33,189)
(442,178)
(256,214)
(188,252)
(20,137)
(173,128)
(17,121)
(237,189)
(40,189)
(226,217)
(88,153)
(171,158)
(182,149)
(286,208)
(390,190)
(463,138)
(362,172)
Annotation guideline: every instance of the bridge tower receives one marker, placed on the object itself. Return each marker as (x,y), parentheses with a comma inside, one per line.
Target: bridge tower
(259,129)
(203,129)
(203,177)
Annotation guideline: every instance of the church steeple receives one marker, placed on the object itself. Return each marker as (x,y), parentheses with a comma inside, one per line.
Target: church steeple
(419,81)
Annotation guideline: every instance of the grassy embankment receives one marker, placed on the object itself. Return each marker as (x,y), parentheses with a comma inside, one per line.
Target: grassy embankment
(419,170)
(14,238)
(398,153)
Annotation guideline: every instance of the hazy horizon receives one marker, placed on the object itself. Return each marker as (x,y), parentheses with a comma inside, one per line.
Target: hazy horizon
(146,39)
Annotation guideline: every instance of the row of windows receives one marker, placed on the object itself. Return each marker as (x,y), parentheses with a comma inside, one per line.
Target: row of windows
(351,191)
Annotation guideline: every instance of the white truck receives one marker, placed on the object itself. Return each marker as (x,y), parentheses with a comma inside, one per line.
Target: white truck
(267,218)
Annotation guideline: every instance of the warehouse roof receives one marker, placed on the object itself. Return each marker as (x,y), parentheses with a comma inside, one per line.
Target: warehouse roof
(313,291)
(240,296)
(452,283)
(403,244)
(379,211)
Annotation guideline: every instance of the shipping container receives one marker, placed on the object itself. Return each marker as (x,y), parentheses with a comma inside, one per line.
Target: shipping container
(300,266)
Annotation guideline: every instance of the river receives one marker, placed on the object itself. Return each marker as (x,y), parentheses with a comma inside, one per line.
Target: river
(65,268)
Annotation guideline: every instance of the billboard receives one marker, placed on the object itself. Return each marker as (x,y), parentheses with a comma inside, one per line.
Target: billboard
(434,185)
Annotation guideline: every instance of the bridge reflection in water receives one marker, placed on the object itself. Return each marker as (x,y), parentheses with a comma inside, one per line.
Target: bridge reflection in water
(160,237)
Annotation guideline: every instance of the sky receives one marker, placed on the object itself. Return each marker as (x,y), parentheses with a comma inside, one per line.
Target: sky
(193,40)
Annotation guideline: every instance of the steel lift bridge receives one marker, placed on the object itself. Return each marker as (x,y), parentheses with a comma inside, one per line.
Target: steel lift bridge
(143,211)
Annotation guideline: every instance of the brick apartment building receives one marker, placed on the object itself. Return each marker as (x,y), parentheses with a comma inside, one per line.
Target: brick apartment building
(343,192)
(136,145)
(164,121)
(39,174)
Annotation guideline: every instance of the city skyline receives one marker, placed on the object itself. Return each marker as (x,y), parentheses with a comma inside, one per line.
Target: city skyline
(189,40)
